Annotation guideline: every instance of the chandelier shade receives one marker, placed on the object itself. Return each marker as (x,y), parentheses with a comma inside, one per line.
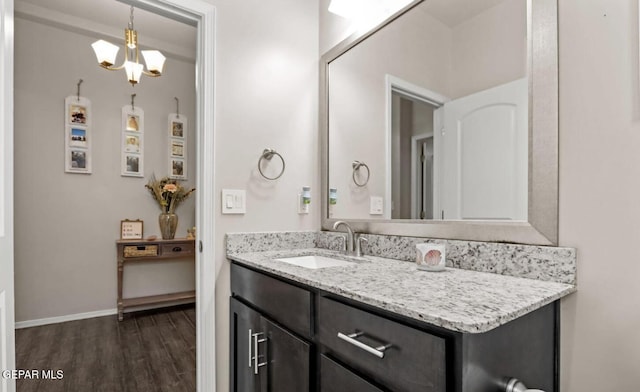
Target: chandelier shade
(106,53)
(154,60)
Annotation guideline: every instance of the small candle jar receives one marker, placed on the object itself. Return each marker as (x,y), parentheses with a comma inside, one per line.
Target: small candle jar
(431,257)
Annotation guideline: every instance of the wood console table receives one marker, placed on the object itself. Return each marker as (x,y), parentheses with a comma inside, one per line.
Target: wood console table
(135,251)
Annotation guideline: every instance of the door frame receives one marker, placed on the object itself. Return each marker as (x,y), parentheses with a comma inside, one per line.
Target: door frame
(7,312)
(415,157)
(203,15)
(411,90)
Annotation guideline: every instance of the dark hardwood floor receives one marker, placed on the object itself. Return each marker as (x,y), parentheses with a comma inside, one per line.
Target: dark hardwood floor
(148,351)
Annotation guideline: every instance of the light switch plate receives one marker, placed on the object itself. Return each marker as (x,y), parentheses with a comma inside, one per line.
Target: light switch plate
(376,205)
(234,201)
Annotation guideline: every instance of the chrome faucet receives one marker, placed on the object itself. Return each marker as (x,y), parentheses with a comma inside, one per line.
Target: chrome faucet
(349,240)
(353,245)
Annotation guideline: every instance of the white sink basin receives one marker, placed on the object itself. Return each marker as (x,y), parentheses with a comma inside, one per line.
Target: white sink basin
(315,262)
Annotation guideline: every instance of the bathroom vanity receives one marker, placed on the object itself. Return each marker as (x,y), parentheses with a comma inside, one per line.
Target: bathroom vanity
(481,168)
(378,324)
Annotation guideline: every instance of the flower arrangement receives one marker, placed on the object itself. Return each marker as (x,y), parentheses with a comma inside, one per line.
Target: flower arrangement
(168,193)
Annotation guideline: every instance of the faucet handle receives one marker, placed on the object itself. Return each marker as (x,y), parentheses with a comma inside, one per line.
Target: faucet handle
(359,241)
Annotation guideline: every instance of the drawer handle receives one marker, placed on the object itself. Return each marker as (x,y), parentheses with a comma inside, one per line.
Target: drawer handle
(351,338)
(250,353)
(256,341)
(177,249)
(141,248)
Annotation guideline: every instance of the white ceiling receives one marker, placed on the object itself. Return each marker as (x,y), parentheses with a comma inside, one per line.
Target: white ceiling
(116,15)
(454,12)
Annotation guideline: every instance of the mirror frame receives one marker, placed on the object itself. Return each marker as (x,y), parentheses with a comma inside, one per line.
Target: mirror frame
(542,72)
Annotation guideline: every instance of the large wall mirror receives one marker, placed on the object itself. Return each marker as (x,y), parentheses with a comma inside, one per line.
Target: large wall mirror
(443,122)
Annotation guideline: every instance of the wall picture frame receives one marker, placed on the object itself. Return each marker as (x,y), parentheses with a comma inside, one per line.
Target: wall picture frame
(177,154)
(177,149)
(77,134)
(131,229)
(132,145)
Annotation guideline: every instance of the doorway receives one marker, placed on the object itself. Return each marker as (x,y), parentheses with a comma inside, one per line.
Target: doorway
(414,124)
(201,14)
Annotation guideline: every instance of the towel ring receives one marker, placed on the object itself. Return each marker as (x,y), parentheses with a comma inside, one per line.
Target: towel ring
(267,154)
(356,166)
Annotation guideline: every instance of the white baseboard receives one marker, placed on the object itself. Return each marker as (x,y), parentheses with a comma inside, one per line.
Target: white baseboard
(87,315)
(62,319)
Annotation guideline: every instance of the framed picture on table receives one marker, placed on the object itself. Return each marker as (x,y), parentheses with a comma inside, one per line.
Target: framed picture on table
(131,229)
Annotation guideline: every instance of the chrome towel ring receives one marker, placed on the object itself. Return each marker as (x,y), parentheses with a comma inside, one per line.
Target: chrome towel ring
(356,167)
(267,154)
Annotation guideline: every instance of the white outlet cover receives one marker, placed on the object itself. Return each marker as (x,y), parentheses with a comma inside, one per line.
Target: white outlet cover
(376,205)
(234,201)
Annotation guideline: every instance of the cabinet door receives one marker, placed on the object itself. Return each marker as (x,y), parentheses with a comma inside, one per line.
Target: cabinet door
(288,361)
(244,323)
(335,378)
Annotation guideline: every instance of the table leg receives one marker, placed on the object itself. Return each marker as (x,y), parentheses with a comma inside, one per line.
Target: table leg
(120,307)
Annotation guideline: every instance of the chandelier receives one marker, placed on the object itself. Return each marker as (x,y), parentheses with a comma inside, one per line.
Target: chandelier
(106,54)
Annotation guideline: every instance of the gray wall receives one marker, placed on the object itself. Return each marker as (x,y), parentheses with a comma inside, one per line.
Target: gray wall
(66,224)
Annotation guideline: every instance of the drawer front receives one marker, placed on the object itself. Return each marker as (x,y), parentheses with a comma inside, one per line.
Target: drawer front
(178,249)
(140,251)
(285,303)
(335,378)
(413,360)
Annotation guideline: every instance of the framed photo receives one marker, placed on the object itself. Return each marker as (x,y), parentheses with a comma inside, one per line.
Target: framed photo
(177,168)
(78,114)
(133,122)
(177,128)
(132,143)
(79,159)
(177,148)
(132,165)
(78,137)
(131,229)
(77,134)
(132,150)
(177,154)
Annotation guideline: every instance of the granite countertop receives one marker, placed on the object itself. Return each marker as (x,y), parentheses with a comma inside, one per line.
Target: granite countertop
(455,299)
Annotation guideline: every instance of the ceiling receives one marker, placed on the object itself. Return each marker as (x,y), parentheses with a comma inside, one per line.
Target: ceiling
(116,15)
(454,12)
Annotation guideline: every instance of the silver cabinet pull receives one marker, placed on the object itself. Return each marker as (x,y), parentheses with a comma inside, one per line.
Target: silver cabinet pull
(250,354)
(351,338)
(256,341)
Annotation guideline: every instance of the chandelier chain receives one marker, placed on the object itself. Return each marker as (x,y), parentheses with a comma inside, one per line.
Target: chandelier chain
(131,19)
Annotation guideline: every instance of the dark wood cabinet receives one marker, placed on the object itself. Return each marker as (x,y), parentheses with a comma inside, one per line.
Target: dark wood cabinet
(244,323)
(303,339)
(288,360)
(336,378)
(264,356)
(391,352)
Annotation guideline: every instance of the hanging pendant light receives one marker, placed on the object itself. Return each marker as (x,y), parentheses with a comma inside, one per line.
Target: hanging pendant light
(106,53)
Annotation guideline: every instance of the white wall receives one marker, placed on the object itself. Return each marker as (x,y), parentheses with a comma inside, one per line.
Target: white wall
(66,224)
(489,49)
(599,192)
(267,96)
(333,28)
